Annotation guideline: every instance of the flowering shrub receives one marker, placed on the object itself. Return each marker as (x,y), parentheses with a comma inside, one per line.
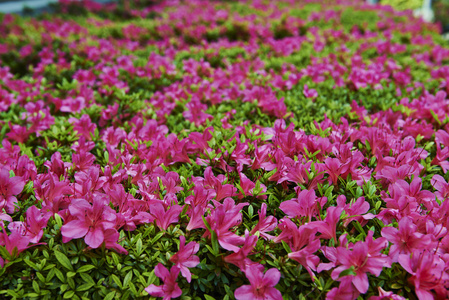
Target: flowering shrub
(223,150)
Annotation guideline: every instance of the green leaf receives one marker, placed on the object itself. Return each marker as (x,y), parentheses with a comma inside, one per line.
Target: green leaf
(127,279)
(117,281)
(85,268)
(84,287)
(59,274)
(87,278)
(157,237)
(359,228)
(36,287)
(347,272)
(139,246)
(286,247)
(63,260)
(207,297)
(110,296)
(69,294)
(435,116)
(12,293)
(5,254)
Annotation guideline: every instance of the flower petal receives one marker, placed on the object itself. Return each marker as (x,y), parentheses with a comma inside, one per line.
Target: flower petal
(74,229)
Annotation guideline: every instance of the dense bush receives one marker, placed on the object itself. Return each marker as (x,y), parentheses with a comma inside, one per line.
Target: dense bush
(222,150)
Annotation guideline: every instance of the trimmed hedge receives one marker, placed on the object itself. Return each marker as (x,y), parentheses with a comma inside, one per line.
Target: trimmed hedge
(223,150)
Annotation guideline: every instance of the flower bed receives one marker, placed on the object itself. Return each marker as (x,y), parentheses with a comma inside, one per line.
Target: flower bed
(224,150)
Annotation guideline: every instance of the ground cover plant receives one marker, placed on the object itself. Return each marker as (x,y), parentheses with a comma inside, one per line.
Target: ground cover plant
(223,150)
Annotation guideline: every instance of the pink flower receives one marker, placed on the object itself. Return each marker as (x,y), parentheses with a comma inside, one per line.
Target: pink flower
(383,295)
(170,288)
(262,285)
(90,221)
(165,218)
(345,291)
(405,239)
(362,262)
(441,186)
(111,237)
(429,272)
(306,205)
(306,257)
(328,227)
(240,257)
(185,258)
(248,187)
(9,188)
(14,243)
(310,93)
(222,219)
(265,223)
(36,221)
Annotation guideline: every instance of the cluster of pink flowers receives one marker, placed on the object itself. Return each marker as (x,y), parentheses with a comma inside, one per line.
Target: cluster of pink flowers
(120,168)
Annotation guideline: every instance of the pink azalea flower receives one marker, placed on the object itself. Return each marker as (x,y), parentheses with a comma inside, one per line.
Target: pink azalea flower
(345,291)
(9,188)
(429,272)
(164,217)
(36,220)
(170,288)
(383,295)
(306,205)
(222,219)
(248,187)
(90,221)
(328,227)
(185,258)
(14,243)
(306,257)
(441,186)
(405,239)
(111,237)
(310,93)
(240,257)
(362,262)
(265,223)
(262,286)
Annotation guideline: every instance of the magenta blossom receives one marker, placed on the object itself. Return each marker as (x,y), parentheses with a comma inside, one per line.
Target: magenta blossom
(310,93)
(262,285)
(170,288)
(429,272)
(90,221)
(9,188)
(405,239)
(185,258)
(362,262)
(383,295)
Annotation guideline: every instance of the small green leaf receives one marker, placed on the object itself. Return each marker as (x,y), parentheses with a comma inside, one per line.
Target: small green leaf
(69,294)
(59,274)
(117,281)
(84,287)
(87,278)
(110,296)
(63,260)
(139,246)
(347,272)
(85,268)
(435,116)
(286,247)
(127,279)
(157,237)
(36,287)
(5,254)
